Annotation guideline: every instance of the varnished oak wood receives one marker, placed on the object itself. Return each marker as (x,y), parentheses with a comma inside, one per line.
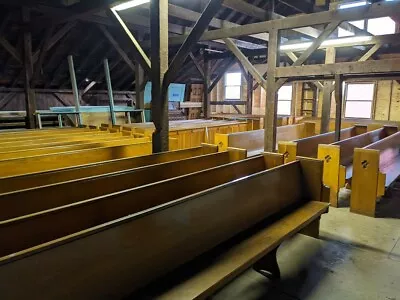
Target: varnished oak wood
(26,181)
(156,241)
(38,199)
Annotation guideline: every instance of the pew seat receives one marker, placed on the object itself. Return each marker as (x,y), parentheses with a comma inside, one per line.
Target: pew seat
(199,279)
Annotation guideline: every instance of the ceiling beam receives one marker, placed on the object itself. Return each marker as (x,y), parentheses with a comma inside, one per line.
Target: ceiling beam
(347,68)
(377,10)
(191,40)
(138,52)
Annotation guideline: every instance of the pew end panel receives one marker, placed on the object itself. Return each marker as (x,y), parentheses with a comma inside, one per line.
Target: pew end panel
(273,160)
(289,151)
(236,154)
(222,141)
(330,155)
(364,182)
(209,148)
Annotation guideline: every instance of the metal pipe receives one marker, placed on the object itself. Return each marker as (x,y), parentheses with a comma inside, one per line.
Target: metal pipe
(110,91)
(75,89)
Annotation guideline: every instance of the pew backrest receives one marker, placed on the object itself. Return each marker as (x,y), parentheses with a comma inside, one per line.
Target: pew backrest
(155,241)
(31,180)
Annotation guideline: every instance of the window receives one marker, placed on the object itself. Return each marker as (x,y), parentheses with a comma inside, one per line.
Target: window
(377,26)
(358,100)
(233,82)
(285,100)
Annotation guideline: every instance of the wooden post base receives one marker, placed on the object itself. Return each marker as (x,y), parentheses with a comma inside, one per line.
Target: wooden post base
(268,266)
(312,229)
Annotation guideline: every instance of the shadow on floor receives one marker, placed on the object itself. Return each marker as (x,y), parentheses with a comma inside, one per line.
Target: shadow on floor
(304,263)
(389,205)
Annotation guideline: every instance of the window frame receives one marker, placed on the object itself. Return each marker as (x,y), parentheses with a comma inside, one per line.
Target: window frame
(372,101)
(226,85)
(285,100)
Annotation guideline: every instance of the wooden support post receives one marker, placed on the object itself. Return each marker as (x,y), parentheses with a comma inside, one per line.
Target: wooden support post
(206,83)
(327,93)
(272,97)
(110,91)
(75,91)
(30,101)
(339,105)
(249,94)
(139,80)
(159,63)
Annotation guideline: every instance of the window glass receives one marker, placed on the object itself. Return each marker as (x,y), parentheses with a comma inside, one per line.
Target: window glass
(379,26)
(233,83)
(358,109)
(285,100)
(359,99)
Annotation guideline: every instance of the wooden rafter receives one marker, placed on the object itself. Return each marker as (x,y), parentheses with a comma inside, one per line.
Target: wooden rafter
(118,48)
(245,62)
(192,38)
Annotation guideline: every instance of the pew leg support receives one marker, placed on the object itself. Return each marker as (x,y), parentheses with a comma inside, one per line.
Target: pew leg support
(312,229)
(268,266)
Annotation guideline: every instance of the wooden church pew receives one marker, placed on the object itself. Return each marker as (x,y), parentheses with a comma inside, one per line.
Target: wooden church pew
(116,258)
(33,164)
(253,141)
(375,167)
(308,147)
(31,180)
(338,158)
(52,142)
(121,141)
(26,134)
(31,230)
(29,201)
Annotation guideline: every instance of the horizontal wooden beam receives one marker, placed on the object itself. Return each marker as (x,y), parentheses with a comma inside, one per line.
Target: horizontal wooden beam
(381,9)
(347,68)
(228,102)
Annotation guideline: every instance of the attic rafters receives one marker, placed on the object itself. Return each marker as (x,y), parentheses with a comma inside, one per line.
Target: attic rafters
(196,63)
(245,62)
(351,14)
(138,52)
(310,50)
(118,48)
(261,14)
(192,39)
(43,48)
(308,8)
(229,63)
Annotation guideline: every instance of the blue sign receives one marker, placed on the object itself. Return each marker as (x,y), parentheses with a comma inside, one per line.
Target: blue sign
(176,92)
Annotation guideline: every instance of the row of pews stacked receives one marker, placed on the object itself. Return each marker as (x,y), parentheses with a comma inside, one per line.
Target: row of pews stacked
(365,159)
(131,225)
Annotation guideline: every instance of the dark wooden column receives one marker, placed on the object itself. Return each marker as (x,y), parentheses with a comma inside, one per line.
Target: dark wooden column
(139,80)
(206,83)
(30,101)
(272,96)
(327,93)
(339,105)
(249,94)
(159,66)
